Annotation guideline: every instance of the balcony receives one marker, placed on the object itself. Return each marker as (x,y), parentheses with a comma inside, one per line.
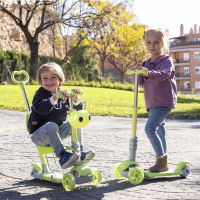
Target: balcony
(183,89)
(178,44)
(181,60)
(182,74)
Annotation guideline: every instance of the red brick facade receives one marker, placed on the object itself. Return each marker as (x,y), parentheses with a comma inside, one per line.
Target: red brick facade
(185,49)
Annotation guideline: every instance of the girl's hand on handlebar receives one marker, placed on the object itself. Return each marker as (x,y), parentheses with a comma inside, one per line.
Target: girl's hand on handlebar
(146,75)
(136,68)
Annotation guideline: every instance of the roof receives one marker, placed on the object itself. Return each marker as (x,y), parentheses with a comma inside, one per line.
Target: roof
(180,37)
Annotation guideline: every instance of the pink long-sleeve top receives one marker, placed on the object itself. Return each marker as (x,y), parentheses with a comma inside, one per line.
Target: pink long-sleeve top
(160,88)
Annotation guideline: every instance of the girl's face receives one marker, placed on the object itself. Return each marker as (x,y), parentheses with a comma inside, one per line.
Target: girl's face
(154,44)
(50,81)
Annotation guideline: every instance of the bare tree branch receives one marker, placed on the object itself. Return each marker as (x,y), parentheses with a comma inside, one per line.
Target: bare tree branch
(16,19)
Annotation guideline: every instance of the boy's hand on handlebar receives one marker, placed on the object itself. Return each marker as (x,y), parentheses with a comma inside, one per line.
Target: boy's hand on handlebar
(77,91)
(65,93)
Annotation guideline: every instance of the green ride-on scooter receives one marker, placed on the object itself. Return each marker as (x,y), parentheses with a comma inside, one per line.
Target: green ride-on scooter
(79,173)
(130,168)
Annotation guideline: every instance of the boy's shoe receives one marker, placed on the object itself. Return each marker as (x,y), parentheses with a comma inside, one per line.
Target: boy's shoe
(86,157)
(68,159)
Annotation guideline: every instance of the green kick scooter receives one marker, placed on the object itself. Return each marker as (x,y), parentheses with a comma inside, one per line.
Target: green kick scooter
(130,168)
(79,173)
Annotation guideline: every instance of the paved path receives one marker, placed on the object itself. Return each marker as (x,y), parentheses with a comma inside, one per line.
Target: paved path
(109,137)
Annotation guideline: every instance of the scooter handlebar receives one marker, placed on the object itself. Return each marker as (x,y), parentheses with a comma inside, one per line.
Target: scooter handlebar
(19,72)
(59,95)
(141,71)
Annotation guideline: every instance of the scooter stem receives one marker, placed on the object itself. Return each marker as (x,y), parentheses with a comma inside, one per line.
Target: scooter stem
(135,108)
(74,133)
(133,140)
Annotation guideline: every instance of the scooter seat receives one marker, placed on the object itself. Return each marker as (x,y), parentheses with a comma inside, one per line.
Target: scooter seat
(48,149)
(44,150)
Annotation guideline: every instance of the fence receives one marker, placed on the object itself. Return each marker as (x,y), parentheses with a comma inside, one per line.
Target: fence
(9,66)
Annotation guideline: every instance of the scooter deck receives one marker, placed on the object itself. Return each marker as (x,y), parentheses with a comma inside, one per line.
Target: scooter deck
(58,178)
(165,173)
(52,177)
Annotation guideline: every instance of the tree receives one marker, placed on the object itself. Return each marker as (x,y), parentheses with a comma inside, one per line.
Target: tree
(99,10)
(50,12)
(128,50)
(71,51)
(103,30)
(82,63)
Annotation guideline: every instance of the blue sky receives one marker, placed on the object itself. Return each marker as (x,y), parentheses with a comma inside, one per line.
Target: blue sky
(168,14)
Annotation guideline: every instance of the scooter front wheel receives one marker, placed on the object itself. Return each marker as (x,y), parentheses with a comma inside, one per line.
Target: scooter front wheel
(135,175)
(68,181)
(117,171)
(97,176)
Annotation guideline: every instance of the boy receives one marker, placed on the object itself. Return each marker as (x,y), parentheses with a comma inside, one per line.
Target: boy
(47,122)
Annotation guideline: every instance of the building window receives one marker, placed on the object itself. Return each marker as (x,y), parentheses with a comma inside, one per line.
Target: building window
(197,84)
(186,84)
(186,70)
(186,56)
(197,55)
(197,39)
(197,70)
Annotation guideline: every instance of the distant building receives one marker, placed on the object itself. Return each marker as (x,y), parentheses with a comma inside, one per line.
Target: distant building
(185,49)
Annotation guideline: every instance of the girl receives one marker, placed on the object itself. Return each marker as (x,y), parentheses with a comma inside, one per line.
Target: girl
(160,93)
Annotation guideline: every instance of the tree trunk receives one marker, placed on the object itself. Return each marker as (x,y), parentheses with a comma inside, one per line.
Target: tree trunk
(54,39)
(103,67)
(54,54)
(122,77)
(34,60)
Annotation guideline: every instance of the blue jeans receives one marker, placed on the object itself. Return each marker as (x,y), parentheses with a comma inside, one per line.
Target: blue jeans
(53,135)
(155,129)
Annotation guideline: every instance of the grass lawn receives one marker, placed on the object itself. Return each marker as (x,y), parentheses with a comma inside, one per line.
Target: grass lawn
(102,101)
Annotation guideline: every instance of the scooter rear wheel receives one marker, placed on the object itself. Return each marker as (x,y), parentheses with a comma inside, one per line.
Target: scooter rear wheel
(97,176)
(186,171)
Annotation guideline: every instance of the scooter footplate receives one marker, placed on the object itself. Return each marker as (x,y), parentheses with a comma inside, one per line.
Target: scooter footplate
(148,174)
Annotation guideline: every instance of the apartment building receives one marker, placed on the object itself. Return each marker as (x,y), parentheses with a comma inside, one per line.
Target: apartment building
(185,49)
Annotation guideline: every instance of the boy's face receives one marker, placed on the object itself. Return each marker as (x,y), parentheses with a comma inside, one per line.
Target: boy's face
(50,81)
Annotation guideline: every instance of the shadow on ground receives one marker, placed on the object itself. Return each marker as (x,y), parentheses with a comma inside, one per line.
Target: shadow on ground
(53,191)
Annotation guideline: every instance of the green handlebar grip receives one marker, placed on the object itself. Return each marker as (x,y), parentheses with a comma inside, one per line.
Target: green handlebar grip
(19,72)
(141,71)
(59,95)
